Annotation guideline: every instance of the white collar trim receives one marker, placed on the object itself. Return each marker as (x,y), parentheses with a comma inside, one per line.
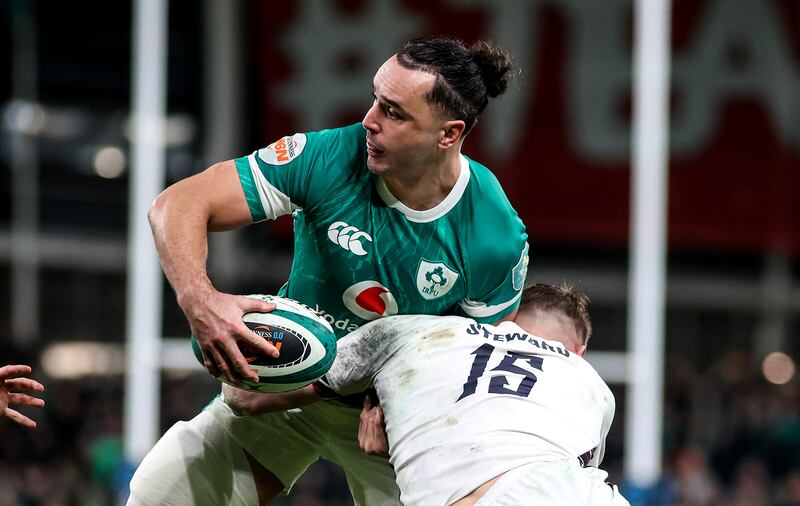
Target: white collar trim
(438,210)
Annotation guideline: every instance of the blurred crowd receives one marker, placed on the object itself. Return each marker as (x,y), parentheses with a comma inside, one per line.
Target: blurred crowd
(74,456)
(731,438)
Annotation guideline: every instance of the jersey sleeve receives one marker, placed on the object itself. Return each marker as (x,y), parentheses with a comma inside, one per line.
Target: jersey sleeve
(297,171)
(495,251)
(498,283)
(360,355)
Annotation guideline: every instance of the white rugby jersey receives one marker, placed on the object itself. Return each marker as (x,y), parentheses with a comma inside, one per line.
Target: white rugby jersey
(465,402)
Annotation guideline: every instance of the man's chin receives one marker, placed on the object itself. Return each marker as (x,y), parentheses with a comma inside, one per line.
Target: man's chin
(376,168)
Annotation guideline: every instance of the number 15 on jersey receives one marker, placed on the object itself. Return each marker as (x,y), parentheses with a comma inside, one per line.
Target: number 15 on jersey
(498,384)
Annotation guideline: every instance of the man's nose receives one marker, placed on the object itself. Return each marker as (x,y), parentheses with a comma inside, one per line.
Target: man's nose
(370,119)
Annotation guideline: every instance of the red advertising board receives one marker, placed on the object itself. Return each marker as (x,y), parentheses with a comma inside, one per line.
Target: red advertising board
(560,140)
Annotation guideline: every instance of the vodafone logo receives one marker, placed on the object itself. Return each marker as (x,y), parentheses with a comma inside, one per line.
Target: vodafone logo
(369,300)
(284,150)
(349,238)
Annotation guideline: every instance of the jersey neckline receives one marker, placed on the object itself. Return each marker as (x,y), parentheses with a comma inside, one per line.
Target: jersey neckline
(439,209)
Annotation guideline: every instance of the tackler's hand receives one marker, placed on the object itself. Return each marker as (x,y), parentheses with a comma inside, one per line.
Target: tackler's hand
(371,429)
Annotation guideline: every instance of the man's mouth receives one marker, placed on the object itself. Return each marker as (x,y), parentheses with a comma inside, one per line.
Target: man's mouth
(373,150)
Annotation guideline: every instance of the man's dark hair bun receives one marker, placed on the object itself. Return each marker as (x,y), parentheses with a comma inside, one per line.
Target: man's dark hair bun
(495,66)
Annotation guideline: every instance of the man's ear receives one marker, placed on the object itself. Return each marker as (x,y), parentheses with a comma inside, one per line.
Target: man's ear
(581,351)
(452,132)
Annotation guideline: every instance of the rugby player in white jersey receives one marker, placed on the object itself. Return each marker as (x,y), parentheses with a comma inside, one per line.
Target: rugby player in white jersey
(480,414)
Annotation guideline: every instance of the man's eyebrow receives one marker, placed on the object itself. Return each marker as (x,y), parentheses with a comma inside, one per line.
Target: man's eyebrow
(393,104)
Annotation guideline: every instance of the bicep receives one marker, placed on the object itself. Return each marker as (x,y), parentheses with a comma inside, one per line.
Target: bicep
(215,195)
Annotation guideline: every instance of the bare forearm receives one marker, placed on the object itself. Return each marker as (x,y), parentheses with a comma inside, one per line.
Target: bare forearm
(181,218)
(181,236)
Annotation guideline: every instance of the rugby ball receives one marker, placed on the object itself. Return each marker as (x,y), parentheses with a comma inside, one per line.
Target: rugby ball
(305,340)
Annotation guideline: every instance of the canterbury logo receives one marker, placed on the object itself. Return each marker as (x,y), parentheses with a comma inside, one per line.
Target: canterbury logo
(348,237)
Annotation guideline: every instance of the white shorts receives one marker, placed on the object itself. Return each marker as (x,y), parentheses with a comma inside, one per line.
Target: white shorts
(195,463)
(202,462)
(558,483)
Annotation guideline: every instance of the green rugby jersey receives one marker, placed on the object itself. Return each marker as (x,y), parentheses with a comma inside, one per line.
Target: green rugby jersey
(360,254)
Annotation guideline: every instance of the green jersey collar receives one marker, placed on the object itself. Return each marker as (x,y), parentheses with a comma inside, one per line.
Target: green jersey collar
(435,212)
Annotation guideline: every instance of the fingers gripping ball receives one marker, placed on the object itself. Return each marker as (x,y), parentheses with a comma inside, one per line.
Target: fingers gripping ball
(306,343)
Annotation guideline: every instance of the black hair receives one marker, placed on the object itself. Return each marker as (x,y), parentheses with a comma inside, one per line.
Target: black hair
(466,77)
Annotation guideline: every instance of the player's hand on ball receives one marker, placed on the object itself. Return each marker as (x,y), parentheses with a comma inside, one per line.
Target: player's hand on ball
(12,379)
(216,322)
(371,429)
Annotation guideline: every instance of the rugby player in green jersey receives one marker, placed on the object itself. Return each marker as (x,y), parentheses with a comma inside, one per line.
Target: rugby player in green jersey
(390,218)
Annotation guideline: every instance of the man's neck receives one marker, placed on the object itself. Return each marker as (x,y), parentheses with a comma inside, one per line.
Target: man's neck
(425,189)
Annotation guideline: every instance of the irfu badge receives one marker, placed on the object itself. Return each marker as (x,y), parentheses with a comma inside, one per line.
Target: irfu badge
(434,279)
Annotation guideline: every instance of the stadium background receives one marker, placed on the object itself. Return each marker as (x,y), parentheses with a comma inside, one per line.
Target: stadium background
(559,142)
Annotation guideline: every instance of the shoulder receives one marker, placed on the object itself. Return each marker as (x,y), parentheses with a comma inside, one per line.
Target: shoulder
(492,214)
(323,162)
(351,136)
(496,233)
(485,184)
(336,147)
(307,148)
(406,324)
(404,329)
(593,379)
(377,341)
